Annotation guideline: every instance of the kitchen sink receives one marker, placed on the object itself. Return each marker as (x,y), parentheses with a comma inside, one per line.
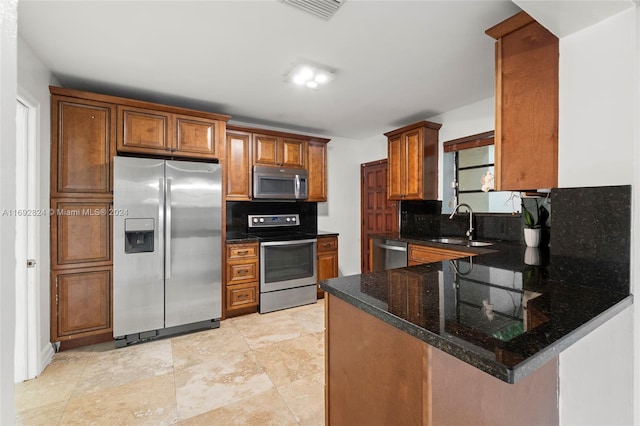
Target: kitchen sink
(448,240)
(459,241)
(478,243)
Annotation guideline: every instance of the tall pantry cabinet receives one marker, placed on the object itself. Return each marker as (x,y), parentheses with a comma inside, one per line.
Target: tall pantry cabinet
(83,143)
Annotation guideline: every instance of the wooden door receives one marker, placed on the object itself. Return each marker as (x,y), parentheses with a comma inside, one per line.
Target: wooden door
(83,135)
(80,233)
(195,137)
(395,189)
(413,159)
(265,150)
(379,214)
(143,130)
(317,169)
(292,153)
(238,156)
(327,260)
(82,300)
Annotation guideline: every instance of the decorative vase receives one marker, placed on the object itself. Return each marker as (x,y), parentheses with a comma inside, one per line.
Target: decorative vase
(532,236)
(532,256)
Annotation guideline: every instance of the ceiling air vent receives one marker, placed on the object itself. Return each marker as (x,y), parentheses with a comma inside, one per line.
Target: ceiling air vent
(324,9)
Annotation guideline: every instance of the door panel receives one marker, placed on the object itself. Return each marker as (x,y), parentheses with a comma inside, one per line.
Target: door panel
(85,134)
(138,287)
(195,136)
(379,214)
(413,160)
(193,283)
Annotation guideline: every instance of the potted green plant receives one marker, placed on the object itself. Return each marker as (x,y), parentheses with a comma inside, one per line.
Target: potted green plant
(533,226)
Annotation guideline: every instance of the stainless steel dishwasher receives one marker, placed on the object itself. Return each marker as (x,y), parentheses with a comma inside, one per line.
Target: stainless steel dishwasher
(388,254)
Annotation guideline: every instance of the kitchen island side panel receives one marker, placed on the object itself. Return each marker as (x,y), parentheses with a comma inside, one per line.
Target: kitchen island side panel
(377,374)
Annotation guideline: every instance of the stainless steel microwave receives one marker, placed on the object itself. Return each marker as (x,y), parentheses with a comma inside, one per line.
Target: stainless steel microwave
(277,183)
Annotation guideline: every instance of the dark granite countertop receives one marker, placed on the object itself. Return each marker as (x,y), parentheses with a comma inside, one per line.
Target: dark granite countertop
(507,310)
(240,237)
(327,233)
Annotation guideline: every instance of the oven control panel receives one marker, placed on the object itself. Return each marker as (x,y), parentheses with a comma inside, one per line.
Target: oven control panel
(263,221)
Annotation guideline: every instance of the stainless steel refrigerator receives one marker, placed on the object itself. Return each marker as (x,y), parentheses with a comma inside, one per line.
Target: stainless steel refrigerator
(167,248)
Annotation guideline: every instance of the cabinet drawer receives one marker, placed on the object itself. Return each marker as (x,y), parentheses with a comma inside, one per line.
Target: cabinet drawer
(240,296)
(239,272)
(423,254)
(327,244)
(242,251)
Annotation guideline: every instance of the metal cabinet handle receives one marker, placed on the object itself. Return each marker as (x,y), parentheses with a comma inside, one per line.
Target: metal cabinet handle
(243,252)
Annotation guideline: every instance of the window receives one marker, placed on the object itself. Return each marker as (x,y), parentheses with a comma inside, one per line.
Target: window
(468,176)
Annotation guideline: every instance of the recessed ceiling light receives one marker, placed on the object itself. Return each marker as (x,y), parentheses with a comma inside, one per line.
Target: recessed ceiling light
(309,75)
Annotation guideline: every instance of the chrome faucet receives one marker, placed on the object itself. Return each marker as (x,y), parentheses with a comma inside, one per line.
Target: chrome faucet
(470,231)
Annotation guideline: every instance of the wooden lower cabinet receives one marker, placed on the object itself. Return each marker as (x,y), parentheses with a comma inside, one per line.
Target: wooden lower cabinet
(377,374)
(327,254)
(418,254)
(241,279)
(81,302)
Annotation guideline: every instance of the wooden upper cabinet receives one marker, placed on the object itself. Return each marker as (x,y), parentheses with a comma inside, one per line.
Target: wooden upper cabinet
(265,149)
(293,153)
(143,130)
(149,131)
(413,162)
(83,142)
(526,93)
(195,136)
(273,150)
(238,164)
(317,171)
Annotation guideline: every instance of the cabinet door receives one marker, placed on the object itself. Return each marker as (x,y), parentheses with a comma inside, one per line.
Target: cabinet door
(527,107)
(418,254)
(242,296)
(238,166)
(396,168)
(81,302)
(292,153)
(327,260)
(317,171)
(83,142)
(195,137)
(265,150)
(80,233)
(143,130)
(413,159)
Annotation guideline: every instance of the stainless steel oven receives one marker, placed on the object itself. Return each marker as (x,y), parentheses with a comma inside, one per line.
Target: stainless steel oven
(288,274)
(288,266)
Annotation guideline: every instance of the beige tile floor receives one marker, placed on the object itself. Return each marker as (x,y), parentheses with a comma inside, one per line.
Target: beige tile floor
(254,370)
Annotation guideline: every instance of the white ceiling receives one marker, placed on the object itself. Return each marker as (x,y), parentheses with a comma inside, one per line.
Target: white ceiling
(397,62)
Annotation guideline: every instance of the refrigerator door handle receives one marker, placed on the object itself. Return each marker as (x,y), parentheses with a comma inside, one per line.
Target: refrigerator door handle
(160,224)
(167,243)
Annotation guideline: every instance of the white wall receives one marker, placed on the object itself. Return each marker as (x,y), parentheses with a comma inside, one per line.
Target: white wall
(597,114)
(598,119)
(34,78)
(458,123)
(342,212)
(8,35)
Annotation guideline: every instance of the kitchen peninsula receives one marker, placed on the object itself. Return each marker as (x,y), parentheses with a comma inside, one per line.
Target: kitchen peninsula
(474,340)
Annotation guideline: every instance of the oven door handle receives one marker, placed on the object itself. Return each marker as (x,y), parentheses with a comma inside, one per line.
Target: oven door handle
(287,243)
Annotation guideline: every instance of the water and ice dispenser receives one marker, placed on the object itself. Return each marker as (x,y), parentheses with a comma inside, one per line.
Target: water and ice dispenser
(138,235)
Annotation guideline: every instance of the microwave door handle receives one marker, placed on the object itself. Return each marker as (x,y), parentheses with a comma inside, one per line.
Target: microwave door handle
(297,186)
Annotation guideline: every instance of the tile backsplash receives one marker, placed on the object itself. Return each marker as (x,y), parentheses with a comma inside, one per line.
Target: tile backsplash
(425,219)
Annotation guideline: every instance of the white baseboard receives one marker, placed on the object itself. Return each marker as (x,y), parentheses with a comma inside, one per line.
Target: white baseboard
(46,355)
